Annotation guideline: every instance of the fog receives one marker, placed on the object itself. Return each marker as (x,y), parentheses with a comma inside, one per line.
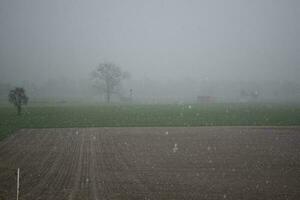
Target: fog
(175,50)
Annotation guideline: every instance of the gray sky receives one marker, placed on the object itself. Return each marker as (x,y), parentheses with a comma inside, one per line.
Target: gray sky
(157,39)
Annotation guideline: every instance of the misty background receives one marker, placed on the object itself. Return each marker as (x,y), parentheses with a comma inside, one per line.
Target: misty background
(174,50)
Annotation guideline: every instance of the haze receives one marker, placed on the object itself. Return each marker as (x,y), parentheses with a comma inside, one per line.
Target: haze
(164,44)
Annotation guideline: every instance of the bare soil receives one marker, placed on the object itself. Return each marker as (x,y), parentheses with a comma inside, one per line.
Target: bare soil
(152,163)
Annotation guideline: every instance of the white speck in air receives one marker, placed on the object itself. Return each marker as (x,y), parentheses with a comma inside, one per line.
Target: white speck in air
(175,148)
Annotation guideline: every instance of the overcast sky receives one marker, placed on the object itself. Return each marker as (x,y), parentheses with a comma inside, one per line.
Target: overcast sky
(157,39)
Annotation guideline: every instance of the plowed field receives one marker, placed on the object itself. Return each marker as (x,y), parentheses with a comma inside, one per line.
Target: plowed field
(152,163)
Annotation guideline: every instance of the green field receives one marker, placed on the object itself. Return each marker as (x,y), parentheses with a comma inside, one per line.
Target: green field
(58,116)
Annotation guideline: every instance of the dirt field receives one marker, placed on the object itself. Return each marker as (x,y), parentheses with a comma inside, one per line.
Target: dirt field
(152,163)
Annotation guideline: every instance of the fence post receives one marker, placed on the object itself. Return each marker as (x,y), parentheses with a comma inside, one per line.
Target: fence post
(18,182)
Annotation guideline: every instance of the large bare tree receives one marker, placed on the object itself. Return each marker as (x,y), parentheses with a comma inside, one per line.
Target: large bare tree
(108,77)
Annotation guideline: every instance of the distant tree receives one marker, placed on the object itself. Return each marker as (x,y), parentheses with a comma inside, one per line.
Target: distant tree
(108,78)
(18,98)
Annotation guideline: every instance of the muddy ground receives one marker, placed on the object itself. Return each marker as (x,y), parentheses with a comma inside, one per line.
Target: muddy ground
(152,163)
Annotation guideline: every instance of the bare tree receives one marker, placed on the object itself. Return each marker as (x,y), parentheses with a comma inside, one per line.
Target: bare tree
(18,98)
(108,77)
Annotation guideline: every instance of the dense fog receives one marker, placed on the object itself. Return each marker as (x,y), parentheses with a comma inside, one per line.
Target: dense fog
(175,51)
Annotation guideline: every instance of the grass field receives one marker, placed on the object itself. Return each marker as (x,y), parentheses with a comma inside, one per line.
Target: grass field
(61,116)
